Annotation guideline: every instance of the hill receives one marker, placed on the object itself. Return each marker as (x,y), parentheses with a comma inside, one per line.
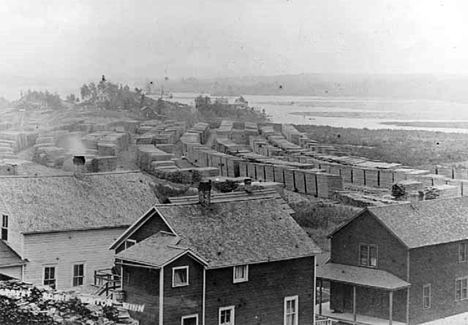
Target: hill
(446,87)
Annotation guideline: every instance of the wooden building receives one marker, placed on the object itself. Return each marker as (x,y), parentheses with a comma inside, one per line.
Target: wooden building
(60,227)
(236,258)
(405,263)
(11,264)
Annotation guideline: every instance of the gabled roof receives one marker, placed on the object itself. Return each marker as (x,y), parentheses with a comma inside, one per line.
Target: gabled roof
(8,257)
(157,250)
(243,231)
(426,223)
(423,223)
(66,202)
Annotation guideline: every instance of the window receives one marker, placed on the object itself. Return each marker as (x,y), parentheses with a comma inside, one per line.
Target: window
(368,255)
(240,273)
(426,296)
(462,252)
(190,320)
(78,274)
(49,276)
(461,288)
(291,306)
(126,277)
(4,227)
(180,276)
(129,243)
(226,315)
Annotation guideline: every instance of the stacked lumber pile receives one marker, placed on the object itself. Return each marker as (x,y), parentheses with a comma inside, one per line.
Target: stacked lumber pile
(11,142)
(327,184)
(401,190)
(291,133)
(22,303)
(224,130)
(102,164)
(360,200)
(440,192)
(146,154)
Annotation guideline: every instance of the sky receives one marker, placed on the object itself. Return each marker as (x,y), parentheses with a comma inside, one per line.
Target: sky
(67,40)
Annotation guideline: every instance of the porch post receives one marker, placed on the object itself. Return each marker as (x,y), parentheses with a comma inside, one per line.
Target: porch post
(320,300)
(354,306)
(390,307)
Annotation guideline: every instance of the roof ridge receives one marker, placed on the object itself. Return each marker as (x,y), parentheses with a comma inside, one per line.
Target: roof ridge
(221,201)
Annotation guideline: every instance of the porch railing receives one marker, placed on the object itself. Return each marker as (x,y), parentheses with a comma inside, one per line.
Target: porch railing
(107,281)
(321,320)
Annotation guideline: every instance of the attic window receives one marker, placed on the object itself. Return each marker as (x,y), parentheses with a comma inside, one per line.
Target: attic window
(180,276)
(4,227)
(240,273)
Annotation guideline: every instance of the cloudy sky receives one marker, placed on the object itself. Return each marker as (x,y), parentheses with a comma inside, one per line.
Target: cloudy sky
(82,39)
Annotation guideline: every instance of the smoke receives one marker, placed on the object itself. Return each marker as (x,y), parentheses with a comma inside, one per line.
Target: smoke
(74,144)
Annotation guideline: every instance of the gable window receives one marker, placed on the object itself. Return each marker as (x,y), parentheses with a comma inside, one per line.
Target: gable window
(78,274)
(240,273)
(462,252)
(291,308)
(190,320)
(129,243)
(461,288)
(49,276)
(368,255)
(426,296)
(226,315)
(180,276)
(4,227)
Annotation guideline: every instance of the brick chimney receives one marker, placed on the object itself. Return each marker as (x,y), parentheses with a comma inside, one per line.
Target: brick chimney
(79,162)
(248,185)
(204,193)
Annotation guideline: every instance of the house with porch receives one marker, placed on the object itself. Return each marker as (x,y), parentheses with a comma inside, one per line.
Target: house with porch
(235,258)
(56,230)
(404,263)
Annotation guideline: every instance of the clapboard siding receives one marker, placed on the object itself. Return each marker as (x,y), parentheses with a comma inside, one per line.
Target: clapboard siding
(14,236)
(13,271)
(63,249)
(260,300)
(141,287)
(186,300)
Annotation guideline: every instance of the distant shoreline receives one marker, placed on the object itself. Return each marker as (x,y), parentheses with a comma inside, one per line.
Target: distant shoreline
(435,124)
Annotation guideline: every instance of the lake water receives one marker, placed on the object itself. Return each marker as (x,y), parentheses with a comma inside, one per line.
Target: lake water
(352,112)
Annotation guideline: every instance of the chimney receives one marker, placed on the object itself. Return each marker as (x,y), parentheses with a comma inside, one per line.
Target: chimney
(248,185)
(79,162)
(204,193)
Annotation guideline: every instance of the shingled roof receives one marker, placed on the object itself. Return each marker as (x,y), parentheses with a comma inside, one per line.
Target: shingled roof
(157,250)
(230,233)
(426,223)
(423,223)
(65,202)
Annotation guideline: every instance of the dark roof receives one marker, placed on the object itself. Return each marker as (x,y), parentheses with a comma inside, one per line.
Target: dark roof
(242,231)
(66,202)
(360,276)
(426,223)
(157,250)
(8,257)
